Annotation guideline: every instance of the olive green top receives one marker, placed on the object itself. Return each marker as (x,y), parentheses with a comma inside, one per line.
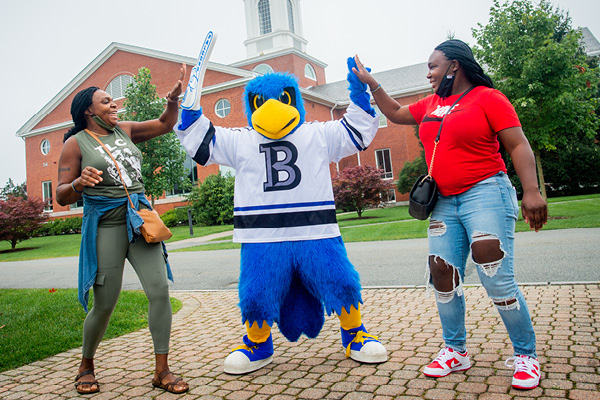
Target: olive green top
(127,155)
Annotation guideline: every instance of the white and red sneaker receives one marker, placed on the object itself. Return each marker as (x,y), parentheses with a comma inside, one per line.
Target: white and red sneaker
(527,372)
(446,362)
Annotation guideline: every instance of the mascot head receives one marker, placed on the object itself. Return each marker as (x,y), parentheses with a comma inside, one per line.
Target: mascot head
(273,104)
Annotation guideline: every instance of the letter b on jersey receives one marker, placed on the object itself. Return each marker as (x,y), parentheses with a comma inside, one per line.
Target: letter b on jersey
(282,173)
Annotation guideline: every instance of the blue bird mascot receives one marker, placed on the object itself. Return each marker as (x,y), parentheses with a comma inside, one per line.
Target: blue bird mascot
(294,265)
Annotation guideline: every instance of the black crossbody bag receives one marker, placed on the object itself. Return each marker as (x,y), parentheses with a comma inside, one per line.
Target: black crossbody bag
(423,195)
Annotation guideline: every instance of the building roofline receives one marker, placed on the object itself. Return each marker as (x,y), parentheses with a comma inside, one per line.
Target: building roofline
(244,76)
(25,130)
(68,124)
(279,53)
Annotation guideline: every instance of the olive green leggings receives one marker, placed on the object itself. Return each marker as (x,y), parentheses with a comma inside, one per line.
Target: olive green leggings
(148,262)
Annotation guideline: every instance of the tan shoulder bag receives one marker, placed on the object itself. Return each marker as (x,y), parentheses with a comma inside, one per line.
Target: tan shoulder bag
(154,229)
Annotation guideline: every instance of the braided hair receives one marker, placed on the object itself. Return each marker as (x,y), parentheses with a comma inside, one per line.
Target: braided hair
(461,52)
(81,102)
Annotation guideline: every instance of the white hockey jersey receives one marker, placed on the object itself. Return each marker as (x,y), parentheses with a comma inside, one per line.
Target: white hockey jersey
(283,188)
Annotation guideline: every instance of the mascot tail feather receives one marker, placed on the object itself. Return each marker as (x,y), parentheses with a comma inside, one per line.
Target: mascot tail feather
(301,313)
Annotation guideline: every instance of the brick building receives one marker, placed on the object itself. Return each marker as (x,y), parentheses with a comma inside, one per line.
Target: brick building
(275,43)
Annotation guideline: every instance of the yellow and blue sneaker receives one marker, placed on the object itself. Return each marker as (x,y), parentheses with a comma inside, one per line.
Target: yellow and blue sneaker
(362,346)
(249,357)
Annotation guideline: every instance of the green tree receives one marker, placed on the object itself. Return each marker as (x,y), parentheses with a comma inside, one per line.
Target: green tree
(538,61)
(572,169)
(13,190)
(412,170)
(212,202)
(163,158)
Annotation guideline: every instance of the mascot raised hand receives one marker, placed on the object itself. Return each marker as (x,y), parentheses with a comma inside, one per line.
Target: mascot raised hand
(294,265)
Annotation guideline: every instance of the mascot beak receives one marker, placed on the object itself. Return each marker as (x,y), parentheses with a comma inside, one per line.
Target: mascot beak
(274,119)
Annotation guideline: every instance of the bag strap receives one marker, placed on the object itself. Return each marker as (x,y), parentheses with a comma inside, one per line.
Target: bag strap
(116,165)
(437,139)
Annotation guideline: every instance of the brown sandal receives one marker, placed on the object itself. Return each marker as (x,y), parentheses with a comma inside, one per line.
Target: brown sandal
(169,386)
(92,383)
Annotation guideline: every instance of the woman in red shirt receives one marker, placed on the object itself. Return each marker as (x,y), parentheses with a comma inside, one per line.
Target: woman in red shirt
(477,205)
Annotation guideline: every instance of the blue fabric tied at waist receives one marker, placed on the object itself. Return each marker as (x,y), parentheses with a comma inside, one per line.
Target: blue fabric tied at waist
(93,209)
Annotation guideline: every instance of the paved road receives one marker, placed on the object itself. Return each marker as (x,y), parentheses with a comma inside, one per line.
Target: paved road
(568,255)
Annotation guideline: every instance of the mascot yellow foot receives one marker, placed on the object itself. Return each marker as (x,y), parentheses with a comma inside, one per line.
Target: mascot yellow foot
(255,353)
(359,344)
(257,350)
(362,346)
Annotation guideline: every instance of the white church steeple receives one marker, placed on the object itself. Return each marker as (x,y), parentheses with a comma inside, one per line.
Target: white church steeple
(273,25)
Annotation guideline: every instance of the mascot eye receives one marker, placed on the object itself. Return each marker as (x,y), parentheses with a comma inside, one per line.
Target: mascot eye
(285,98)
(258,101)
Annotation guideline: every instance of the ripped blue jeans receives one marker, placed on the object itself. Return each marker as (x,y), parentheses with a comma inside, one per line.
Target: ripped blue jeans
(480,222)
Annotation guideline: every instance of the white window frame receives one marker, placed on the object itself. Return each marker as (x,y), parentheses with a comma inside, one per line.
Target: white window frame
(118,86)
(387,171)
(310,72)
(45,147)
(264,17)
(192,172)
(222,108)
(47,194)
(390,196)
(263,69)
(77,205)
(290,8)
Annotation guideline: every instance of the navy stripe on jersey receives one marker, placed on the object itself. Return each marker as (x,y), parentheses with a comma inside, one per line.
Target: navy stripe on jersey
(284,220)
(293,205)
(354,135)
(203,152)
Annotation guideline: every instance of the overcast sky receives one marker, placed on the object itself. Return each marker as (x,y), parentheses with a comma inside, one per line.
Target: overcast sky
(45,44)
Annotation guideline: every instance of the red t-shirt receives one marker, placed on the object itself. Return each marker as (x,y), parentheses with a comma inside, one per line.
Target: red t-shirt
(468,149)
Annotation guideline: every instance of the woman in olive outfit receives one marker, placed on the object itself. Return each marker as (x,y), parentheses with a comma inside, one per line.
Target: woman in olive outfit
(477,206)
(107,236)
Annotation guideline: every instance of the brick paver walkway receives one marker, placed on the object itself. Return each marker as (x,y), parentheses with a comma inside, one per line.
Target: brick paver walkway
(566,319)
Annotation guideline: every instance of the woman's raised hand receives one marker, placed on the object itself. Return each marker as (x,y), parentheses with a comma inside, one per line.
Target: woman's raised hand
(178,88)
(362,73)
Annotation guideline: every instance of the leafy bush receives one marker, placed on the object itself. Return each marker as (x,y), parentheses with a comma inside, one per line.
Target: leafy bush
(59,226)
(356,188)
(170,218)
(212,202)
(20,218)
(182,215)
(410,172)
(176,216)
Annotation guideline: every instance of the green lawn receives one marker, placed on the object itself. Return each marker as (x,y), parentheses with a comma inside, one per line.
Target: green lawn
(572,212)
(68,245)
(183,232)
(38,323)
(389,223)
(394,223)
(41,247)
